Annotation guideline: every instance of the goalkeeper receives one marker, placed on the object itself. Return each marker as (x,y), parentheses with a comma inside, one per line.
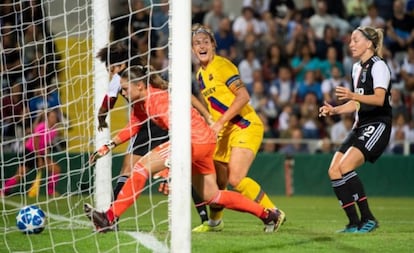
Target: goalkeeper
(152,101)
(117,58)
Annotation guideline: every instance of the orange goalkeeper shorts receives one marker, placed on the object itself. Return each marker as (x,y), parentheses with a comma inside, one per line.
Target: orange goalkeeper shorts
(202,158)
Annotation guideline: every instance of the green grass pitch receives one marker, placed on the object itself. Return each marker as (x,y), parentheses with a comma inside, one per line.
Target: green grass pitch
(310,227)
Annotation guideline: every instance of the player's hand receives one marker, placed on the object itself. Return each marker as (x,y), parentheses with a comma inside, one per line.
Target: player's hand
(102,151)
(326,110)
(343,93)
(164,175)
(102,123)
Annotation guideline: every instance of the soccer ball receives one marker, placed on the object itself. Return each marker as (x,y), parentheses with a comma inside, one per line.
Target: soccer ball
(31,220)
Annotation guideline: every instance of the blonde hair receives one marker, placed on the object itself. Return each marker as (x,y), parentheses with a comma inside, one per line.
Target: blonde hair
(199,28)
(376,36)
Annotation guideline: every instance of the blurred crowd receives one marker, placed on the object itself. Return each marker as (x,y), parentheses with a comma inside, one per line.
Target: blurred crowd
(29,67)
(291,55)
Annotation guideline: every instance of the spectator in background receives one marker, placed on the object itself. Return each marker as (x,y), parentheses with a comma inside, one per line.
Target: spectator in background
(329,85)
(372,18)
(324,146)
(307,10)
(262,102)
(397,102)
(395,68)
(309,85)
(214,15)
(309,119)
(330,61)
(139,36)
(282,10)
(287,121)
(340,129)
(275,57)
(301,36)
(247,67)
(44,98)
(400,132)
(303,63)
(356,10)
(400,28)
(407,69)
(297,146)
(283,88)
(12,112)
(330,39)
(160,20)
(36,155)
(384,8)
(246,24)
(259,6)
(322,18)
(226,42)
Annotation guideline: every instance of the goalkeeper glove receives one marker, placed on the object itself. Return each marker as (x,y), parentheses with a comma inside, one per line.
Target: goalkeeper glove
(164,175)
(102,151)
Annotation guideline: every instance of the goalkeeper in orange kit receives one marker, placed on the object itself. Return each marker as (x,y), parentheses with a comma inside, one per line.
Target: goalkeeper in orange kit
(137,83)
(117,57)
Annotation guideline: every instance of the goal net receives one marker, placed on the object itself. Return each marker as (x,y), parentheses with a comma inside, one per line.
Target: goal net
(49,68)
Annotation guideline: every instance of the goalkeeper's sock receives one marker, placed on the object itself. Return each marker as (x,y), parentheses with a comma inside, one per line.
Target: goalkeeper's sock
(119,183)
(235,201)
(9,184)
(131,190)
(51,184)
(346,200)
(200,205)
(252,190)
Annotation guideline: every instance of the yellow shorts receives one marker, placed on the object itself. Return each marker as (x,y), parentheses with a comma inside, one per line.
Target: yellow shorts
(250,138)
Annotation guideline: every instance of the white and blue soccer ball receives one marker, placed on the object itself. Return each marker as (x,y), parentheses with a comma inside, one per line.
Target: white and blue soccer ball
(31,220)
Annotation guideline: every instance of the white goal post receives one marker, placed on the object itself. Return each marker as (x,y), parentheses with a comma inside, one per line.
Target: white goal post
(78,30)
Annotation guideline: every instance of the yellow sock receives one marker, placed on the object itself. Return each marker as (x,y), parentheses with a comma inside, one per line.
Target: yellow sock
(34,189)
(216,213)
(252,190)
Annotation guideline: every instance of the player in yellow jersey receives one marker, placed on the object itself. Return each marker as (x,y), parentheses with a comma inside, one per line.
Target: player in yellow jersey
(236,124)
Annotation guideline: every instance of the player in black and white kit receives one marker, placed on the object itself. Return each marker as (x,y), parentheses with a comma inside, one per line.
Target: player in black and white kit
(117,57)
(369,99)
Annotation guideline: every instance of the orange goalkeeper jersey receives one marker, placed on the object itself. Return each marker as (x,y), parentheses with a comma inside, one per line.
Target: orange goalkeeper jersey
(156,107)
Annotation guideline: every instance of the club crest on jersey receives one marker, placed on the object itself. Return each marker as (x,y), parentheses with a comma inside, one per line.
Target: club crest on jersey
(364,75)
(210,77)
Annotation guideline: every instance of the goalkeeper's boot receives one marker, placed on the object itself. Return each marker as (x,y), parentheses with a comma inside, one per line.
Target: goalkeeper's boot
(205,227)
(99,219)
(274,219)
(368,226)
(350,228)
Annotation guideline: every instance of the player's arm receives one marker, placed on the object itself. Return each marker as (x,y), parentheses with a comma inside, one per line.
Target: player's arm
(107,104)
(125,134)
(329,110)
(241,99)
(199,106)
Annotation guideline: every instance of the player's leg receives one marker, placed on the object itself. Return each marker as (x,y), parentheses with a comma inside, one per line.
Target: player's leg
(128,163)
(14,180)
(54,172)
(341,188)
(377,142)
(204,181)
(152,162)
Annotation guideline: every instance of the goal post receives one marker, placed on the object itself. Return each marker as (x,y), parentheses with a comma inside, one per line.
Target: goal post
(103,170)
(180,93)
(77,30)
